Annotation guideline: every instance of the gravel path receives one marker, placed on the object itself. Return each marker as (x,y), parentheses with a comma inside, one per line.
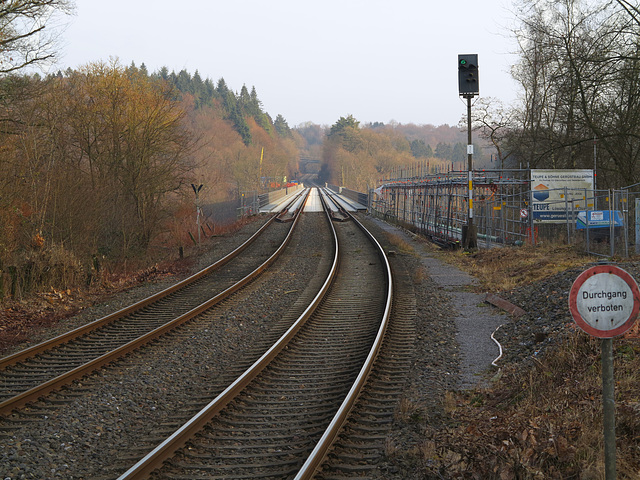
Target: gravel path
(472,321)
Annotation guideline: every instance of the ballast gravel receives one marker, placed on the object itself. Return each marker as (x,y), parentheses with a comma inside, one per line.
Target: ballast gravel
(85,437)
(91,435)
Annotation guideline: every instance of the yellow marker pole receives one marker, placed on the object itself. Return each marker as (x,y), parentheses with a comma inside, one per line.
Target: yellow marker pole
(470,194)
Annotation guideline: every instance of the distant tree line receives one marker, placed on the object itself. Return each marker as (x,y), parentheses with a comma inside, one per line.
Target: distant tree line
(238,107)
(360,157)
(444,150)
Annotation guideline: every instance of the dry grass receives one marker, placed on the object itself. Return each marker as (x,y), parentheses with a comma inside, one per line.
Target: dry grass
(503,268)
(399,245)
(405,409)
(390,448)
(545,422)
(534,422)
(508,267)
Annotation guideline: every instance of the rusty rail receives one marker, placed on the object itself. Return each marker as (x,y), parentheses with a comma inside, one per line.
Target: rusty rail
(33,394)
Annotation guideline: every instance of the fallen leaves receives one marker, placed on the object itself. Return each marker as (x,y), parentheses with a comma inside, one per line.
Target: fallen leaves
(21,319)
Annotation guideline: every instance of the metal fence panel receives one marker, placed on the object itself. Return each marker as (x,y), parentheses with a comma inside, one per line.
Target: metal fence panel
(437,206)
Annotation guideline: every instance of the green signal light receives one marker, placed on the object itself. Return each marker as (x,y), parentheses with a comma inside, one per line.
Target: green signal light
(463,62)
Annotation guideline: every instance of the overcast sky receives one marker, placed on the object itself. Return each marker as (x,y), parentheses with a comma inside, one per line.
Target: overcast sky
(378,60)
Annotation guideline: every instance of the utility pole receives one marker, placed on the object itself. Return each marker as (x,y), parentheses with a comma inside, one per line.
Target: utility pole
(196,190)
(468,87)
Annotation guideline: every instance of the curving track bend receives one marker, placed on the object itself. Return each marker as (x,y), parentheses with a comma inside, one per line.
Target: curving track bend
(281,420)
(32,373)
(281,416)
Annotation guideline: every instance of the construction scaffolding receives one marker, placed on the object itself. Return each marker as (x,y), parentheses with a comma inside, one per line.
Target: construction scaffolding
(507,211)
(436,205)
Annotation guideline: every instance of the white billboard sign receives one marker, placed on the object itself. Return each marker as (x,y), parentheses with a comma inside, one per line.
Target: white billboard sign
(556,193)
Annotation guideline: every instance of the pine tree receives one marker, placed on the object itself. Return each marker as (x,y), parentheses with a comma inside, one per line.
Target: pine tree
(443,150)
(221,88)
(346,130)
(282,127)
(459,153)
(164,73)
(419,149)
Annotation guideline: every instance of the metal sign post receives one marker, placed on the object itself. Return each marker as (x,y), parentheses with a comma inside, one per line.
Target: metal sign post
(608,409)
(604,302)
(637,218)
(470,240)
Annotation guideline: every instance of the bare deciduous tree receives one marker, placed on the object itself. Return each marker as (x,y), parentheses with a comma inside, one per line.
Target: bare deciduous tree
(495,123)
(26,33)
(579,66)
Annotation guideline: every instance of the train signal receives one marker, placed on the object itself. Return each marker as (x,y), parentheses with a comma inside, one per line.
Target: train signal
(468,86)
(468,81)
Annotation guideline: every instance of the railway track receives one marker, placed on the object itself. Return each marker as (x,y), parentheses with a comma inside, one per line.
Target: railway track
(280,417)
(366,438)
(27,375)
(278,421)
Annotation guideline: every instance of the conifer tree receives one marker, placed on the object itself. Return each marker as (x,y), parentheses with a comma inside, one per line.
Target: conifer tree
(420,149)
(282,127)
(443,150)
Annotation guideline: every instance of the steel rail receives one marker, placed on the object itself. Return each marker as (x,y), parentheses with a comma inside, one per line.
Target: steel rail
(89,327)
(178,439)
(181,437)
(340,214)
(34,393)
(288,213)
(321,449)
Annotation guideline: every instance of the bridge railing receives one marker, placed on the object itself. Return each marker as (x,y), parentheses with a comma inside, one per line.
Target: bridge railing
(353,195)
(251,202)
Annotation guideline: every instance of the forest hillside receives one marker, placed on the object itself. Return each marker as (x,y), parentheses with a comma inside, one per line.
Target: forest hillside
(360,157)
(99,166)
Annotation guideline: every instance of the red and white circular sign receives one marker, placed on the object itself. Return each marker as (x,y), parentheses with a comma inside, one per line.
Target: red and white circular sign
(604,301)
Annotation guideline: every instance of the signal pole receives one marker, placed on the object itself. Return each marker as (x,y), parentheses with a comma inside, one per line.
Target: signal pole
(196,190)
(468,87)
